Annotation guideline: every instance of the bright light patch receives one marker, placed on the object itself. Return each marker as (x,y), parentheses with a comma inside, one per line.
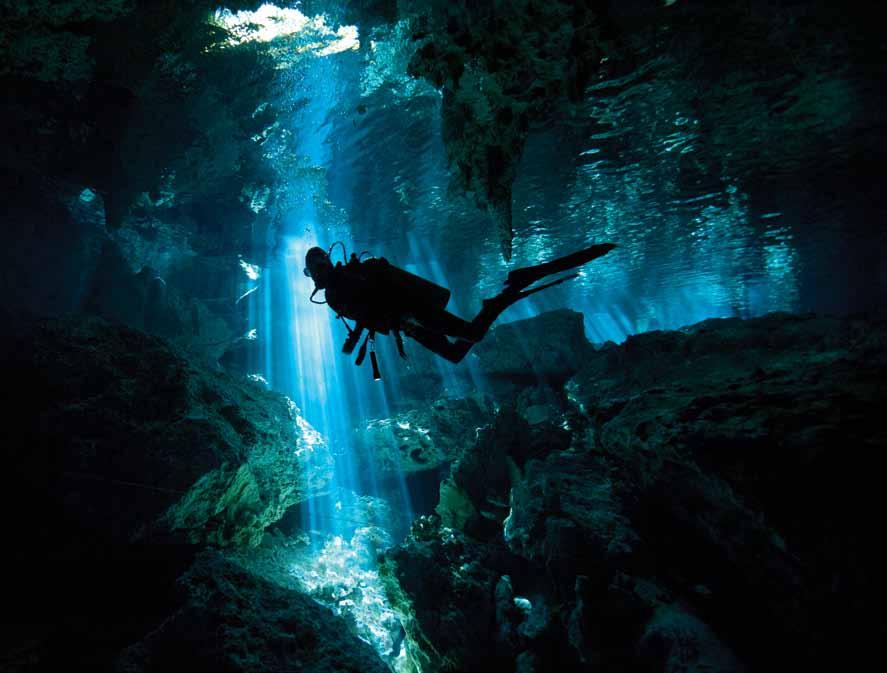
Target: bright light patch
(87,196)
(252,271)
(270,22)
(523,604)
(309,438)
(259,200)
(252,335)
(267,23)
(347,40)
(342,575)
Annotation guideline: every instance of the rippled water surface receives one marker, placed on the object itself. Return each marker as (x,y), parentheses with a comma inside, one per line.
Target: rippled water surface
(738,173)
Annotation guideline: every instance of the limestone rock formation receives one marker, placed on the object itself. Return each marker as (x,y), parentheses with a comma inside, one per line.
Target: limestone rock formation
(138,443)
(442,586)
(130,152)
(124,460)
(421,439)
(502,67)
(547,349)
(709,475)
(230,620)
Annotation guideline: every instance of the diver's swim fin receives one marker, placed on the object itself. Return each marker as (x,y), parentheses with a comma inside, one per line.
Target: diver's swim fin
(544,286)
(521,278)
(493,308)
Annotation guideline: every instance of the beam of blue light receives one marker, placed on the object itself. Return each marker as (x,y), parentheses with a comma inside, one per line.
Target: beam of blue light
(427,264)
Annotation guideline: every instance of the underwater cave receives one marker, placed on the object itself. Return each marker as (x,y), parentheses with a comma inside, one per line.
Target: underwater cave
(610,278)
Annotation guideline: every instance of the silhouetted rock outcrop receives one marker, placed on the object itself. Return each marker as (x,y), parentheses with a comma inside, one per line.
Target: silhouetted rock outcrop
(442,585)
(122,460)
(138,443)
(231,620)
(707,506)
(547,349)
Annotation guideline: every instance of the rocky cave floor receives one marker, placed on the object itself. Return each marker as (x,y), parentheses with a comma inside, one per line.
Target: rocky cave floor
(694,500)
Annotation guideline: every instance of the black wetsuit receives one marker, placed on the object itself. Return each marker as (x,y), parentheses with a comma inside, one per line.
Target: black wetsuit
(383,298)
(364,292)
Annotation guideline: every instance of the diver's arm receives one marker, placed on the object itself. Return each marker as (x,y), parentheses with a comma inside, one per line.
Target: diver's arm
(353,338)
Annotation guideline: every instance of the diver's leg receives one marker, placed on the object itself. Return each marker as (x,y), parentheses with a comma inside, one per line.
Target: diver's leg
(493,308)
(490,311)
(439,344)
(443,322)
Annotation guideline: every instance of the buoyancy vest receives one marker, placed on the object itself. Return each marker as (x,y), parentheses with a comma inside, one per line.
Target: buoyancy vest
(380,296)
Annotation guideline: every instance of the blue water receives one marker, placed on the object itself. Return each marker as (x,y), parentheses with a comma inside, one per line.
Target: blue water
(739,208)
(717,212)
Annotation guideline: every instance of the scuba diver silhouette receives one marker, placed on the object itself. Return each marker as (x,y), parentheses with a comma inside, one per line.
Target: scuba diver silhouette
(384,299)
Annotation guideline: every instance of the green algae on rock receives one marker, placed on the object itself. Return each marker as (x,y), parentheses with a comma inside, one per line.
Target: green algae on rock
(120,420)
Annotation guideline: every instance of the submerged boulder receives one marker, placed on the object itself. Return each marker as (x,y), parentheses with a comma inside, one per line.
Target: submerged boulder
(231,620)
(675,641)
(475,496)
(122,460)
(124,441)
(421,439)
(768,446)
(549,348)
(442,584)
(567,514)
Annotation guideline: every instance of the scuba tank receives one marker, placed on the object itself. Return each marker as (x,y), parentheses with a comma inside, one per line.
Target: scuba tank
(407,294)
(416,291)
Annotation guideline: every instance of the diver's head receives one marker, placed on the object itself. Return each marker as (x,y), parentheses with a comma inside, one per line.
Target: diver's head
(318,266)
